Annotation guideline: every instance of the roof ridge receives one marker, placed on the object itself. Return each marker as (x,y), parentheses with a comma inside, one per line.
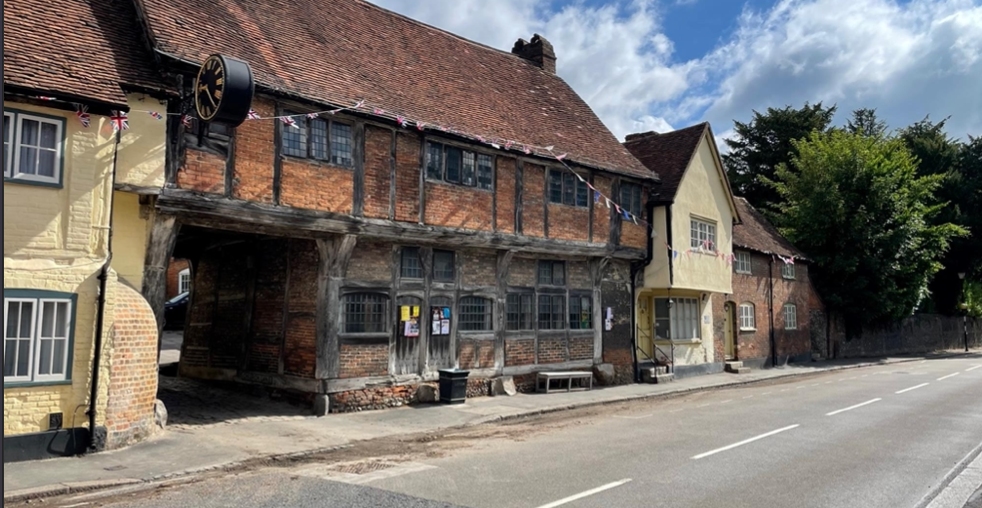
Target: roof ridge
(640,136)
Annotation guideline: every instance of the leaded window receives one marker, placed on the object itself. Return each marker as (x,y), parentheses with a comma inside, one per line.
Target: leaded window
(580,313)
(411,267)
(552,312)
(443,266)
(552,273)
(365,313)
(475,314)
(521,314)
(567,189)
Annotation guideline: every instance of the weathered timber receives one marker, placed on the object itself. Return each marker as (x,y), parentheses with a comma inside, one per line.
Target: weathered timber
(597,269)
(501,307)
(285,325)
(335,254)
(591,203)
(230,165)
(277,159)
(251,276)
(392,176)
(358,154)
(247,216)
(615,218)
(163,238)
(519,186)
(422,180)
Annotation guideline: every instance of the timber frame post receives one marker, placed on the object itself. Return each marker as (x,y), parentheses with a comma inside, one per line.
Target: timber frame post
(335,254)
(598,266)
(163,239)
(501,309)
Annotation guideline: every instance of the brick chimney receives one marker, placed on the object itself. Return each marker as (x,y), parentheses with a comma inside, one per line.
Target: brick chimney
(539,52)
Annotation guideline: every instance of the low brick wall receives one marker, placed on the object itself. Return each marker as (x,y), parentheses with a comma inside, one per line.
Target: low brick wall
(922,333)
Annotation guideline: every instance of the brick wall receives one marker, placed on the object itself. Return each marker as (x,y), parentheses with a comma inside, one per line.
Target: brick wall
(506,173)
(921,333)
(407,177)
(371,262)
(202,172)
(569,223)
(581,348)
(364,360)
(478,268)
(533,200)
(300,355)
(522,272)
(578,275)
(519,352)
(458,207)
(378,171)
(314,185)
(552,350)
(254,155)
(634,236)
(133,370)
(174,269)
(601,221)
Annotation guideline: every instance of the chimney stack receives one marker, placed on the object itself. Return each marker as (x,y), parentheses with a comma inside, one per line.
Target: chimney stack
(539,52)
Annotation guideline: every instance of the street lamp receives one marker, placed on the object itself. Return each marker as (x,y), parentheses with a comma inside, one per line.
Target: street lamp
(964,306)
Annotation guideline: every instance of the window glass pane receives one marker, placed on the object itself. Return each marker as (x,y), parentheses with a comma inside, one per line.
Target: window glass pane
(513,307)
(293,138)
(26,316)
(48,319)
(58,357)
(29,131)
(61,321)
(318,139)
(485,172)
(44,358)
(454,163)
(46,163)
(49,136)
(9,357)
(8,133)
(569,189)
(545,272)
(28,161)
(341,145)
(662,319)
(582,194)
(475,314)
(443,266)
(411,268)
(12,315)
(559,273)
(24,358)
(555,187)
(434,161)
(558,311)
(469,173)
(365,313)
(545,312)
(580,313)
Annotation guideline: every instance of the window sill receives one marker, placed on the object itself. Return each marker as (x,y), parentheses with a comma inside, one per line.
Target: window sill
(32,183)
(31,384)
(788,278)
(748,330)
(316,162)
(743,273)
(458,185)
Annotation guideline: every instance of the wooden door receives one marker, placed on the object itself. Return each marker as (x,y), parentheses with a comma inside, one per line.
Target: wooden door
(440,338)
(408,330)
(729,326)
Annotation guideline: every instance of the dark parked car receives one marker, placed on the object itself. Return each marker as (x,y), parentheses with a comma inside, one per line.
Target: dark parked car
(176,311)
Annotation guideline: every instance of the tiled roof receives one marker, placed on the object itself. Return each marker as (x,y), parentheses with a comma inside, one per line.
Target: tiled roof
(341,51)
(667,154)
(75,49)
(758,234)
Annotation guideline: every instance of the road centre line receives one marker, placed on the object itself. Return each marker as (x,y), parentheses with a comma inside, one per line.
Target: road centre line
(748,397)
(912,388)
(746,441)
(948,376)
(634,417)
(850,408)
(588,493)
(726,401)
(973,368)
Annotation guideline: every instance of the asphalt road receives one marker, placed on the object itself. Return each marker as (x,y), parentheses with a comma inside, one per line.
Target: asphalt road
(875,437)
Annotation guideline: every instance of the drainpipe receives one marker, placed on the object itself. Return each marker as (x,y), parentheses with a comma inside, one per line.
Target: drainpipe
(771,312)
(101,307)
(635,268)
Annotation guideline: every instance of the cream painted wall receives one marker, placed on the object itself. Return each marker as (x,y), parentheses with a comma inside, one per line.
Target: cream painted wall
(703,195)
(686,353)
(142,148)
(131,231)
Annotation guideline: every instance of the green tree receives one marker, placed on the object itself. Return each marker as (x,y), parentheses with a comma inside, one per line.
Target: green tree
(766,142)
(857,207)
(865,123)
(936,153)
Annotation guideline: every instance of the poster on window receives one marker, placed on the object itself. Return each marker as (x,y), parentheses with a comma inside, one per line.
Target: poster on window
(411,328)
(445,327)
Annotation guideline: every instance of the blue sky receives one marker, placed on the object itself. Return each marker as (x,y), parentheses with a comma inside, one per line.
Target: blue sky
(665,64)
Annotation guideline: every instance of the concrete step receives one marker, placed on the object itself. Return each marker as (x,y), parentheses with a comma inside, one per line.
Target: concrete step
(653,375)
(733,366)
(664,378)
(741,370)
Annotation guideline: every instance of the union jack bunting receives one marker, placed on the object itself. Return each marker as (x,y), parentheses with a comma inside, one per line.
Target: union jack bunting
(627,216)
(379,112)
(561,157)
(313,115)
(359,105)
(496,146)
(527,150)
(596,197)
(120,121)
(253,115)
(401,121)
(187,121)
(420,125)
(43,98)
(289,121)
(508,145)
(156,115)
(82,112)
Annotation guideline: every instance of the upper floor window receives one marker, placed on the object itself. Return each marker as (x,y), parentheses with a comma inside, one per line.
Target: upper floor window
(520,311)
(475,314)
(365,313)
(38,336)
(552,273)
(790,317)
(320,139)
(184,281)
(703,235)
(459,166)
(631,199)
(742,263)
(787,271)
(33,148)
(566,189)
(443,266)
(411,267)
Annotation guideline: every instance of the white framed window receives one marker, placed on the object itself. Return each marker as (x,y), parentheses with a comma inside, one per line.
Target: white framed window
(184,281)
(677,318)
(748,317)
(8,138)
(37,145)
(787,271)
(702,235)
(790,317)
(742,263)
(38,332)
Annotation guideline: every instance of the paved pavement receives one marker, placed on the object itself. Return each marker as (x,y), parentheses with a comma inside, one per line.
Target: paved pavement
(192,448)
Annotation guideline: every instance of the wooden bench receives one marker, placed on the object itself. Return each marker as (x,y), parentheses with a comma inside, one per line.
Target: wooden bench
(544,380)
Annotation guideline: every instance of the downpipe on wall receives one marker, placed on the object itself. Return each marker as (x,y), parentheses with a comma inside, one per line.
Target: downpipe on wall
(635,269)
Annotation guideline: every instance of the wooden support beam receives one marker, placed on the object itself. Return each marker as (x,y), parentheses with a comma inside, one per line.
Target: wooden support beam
(335,255)
(247,216)
(501,308)
(163,238)
(358,154)
(392,176)
(519,175)
(598,267)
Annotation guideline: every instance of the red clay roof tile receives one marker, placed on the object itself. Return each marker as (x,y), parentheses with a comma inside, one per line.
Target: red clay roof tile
(667,154)
(758,234)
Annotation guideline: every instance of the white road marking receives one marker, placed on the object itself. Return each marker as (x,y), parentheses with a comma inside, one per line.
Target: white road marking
(768,393)
(633,417)
(912,388)
(948,376)
(702,406)
(676,410)
(800,387)
(853,378)
(746,441)
(748,397)
(850,408)
(588,493)
(867,375)
(973,368)
(726,402)
(828,382)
